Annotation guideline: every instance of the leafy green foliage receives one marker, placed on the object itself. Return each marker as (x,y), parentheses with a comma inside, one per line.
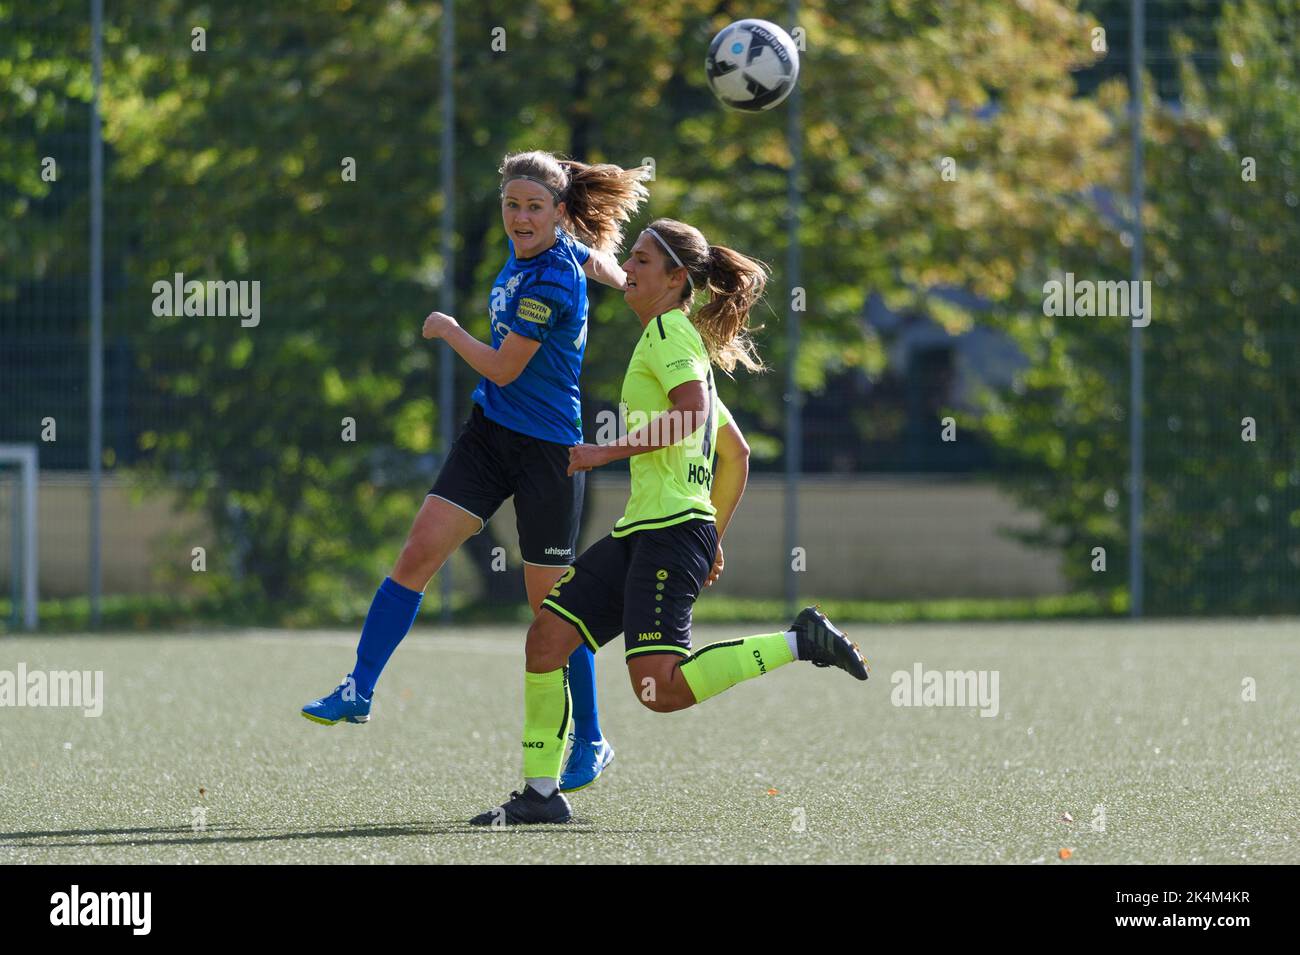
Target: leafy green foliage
(227,164)
(1222,513)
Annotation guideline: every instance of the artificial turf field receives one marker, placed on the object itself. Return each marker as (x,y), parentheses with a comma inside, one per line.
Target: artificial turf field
(800,766)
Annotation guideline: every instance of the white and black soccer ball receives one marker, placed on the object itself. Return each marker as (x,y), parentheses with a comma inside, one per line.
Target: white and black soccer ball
(752,65)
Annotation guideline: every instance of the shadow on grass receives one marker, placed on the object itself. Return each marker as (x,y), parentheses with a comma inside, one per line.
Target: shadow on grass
(185,836)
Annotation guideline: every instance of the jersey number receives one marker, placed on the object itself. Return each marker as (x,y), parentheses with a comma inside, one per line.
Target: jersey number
(564,579)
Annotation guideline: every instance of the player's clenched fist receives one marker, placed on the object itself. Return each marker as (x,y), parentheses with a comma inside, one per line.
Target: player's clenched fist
(437,325)
(584,457)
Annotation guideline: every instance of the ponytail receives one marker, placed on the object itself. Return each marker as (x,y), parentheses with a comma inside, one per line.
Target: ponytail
(734,283)
(600,198)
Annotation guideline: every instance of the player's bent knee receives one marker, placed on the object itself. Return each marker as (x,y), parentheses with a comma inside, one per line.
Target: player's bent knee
(549,643)
(659,685)
(669,702)
(662,704)
(535,643)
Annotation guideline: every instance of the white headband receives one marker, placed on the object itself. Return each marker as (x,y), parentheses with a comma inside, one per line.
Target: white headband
(669,249)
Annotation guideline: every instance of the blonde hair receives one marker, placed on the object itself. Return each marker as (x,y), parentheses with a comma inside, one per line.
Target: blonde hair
(734,283)
(598,199)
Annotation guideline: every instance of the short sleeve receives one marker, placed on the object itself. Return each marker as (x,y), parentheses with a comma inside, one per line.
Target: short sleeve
(539,305)
(581,251)
(676,355)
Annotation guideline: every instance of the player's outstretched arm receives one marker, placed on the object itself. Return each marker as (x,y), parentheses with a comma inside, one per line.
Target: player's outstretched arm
(603,267)
(498,365)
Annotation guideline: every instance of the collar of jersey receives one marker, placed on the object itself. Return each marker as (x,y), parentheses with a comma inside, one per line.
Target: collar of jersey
(665,315)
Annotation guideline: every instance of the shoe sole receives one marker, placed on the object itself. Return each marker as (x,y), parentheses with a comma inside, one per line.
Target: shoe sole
(513,825)
(491,823)
(346,719)
(605,766)
(862,657)
(866,667)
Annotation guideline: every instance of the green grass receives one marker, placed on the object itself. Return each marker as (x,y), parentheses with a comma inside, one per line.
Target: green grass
(138,612)
(1065,606)
(1146,720)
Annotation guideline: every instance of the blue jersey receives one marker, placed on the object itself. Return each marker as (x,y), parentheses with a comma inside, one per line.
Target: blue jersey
(545,299)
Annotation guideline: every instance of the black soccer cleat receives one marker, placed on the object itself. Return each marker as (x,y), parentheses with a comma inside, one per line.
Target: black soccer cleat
(525,809)
(822,644)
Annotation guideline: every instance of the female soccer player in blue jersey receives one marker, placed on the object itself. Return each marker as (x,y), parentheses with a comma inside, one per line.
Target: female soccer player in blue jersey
(563,222)
(689,465)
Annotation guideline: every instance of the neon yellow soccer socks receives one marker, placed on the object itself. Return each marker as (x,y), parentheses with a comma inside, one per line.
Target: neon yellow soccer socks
(720,666)
(547,712)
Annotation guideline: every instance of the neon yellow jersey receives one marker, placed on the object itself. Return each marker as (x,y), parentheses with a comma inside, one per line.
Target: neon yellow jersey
(673,484)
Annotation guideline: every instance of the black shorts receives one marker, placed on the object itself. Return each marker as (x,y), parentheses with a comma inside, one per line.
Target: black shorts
(490,462)
(642,585)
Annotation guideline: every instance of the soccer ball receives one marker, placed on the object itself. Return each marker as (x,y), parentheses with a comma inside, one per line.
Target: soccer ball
(752,65)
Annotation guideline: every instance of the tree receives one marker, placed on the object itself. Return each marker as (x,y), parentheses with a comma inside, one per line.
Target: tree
(227,165)
(44,118)
(1222,511)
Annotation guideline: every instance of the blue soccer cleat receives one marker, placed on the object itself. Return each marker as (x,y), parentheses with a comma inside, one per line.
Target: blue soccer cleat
(345,704)
(587,760)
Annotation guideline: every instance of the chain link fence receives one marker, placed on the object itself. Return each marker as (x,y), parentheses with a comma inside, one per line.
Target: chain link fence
(284,441)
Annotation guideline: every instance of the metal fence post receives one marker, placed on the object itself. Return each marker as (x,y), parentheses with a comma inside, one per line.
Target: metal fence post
(446,368)
(95,449)
(793,402)
(1137,407)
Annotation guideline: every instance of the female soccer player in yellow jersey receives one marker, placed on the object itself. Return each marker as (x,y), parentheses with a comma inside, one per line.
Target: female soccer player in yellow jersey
(689,464)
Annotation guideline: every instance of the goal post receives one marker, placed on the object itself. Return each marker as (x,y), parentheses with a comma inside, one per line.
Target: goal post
(24,564)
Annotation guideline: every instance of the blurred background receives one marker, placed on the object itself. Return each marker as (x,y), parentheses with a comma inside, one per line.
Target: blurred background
(953,450)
